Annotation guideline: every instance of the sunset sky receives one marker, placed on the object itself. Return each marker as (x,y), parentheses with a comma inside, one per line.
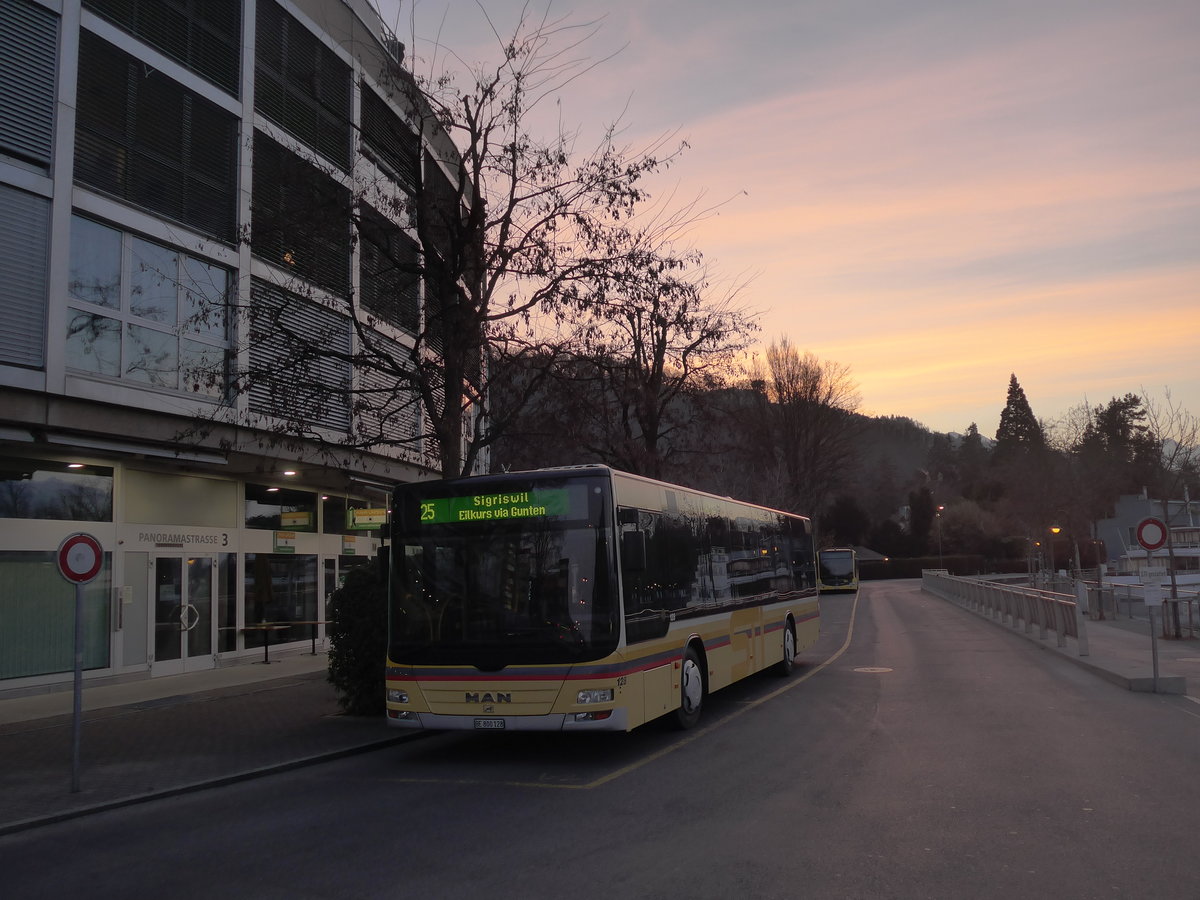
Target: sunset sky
(936,193)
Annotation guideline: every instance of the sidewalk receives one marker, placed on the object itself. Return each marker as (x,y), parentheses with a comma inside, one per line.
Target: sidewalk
(1120,651)
(164,736)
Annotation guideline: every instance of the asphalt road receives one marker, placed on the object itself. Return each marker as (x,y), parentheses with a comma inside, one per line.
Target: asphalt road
(920,752)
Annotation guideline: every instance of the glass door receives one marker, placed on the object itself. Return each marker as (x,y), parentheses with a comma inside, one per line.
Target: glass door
(183,587)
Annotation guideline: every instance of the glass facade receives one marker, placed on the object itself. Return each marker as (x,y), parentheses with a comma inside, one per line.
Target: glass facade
(146,313)
(128,297)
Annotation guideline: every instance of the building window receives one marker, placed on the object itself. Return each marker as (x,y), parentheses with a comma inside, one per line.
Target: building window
(41,489)
(441,209)
(149,141)
(28,61)
(301,85)
(280,509)
(389,142)
(389,409)
(300,217)
(337,517)
(205,36)
(280,588)
(146,313)
(299,360)
(37,607)
(389,281)
(24,243)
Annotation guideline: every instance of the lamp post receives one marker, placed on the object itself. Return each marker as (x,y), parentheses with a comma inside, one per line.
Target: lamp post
(941,564)
(1054,531)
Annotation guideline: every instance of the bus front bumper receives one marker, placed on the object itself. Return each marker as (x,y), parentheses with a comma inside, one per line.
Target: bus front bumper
(618,721)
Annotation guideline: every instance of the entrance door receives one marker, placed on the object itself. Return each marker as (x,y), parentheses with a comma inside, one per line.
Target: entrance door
(183,587)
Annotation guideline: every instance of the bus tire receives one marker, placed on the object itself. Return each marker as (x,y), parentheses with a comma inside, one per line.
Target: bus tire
(787,665)
(691,690)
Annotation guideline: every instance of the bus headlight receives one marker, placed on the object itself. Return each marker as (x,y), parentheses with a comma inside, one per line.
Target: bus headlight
(595,695)
(395,695)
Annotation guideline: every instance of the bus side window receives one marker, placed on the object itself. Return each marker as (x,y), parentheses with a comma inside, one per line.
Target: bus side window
(633,551)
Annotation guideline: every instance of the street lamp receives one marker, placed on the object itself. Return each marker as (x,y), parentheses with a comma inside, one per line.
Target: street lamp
(1054,531)
(941,564)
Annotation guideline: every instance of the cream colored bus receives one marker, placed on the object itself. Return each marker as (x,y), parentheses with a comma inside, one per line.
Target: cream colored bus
(585,598)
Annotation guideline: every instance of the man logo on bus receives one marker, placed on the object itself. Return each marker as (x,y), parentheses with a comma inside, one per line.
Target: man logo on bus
(488,698)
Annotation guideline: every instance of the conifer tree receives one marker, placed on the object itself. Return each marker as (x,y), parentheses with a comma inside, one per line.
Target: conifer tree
(1020,433)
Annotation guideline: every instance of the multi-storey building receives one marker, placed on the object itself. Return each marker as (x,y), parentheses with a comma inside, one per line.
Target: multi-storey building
(167,169)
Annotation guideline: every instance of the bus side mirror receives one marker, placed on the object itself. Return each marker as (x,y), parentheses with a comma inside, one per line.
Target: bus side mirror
(633,551)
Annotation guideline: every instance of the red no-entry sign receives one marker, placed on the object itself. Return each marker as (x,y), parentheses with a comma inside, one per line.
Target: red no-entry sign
(80,558)
(1151,533)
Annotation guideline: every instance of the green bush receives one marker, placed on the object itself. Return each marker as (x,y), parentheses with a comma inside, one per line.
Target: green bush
(358,641)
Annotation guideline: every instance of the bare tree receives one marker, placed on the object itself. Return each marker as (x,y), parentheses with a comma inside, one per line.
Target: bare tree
(480,245)
(803,427)
(654,344)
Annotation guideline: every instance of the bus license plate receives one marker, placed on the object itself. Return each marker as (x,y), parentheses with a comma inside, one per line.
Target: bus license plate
(489,723)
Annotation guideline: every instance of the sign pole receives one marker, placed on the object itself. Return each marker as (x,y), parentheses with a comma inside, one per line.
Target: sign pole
(80,559)
(77,708)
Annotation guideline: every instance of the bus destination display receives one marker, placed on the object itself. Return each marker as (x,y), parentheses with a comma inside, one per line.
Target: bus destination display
(495,507)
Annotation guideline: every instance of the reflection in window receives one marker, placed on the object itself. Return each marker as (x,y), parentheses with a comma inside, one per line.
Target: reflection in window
(335,516)
(95,263)
(152,357)
(93,342)
(204,290)
(167,321)
(153,280)
(40,489)
(280,509)
(204,368)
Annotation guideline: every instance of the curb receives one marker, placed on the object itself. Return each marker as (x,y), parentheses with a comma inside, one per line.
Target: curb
(194,787)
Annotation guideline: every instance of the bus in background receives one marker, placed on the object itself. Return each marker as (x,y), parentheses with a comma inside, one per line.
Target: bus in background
(837,570)
(584,598)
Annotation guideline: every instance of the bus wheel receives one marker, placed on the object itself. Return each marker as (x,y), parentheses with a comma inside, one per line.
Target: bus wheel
(691,690)
(788,663)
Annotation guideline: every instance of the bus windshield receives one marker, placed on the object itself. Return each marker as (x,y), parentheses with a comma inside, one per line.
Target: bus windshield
(837,563)
(506,574)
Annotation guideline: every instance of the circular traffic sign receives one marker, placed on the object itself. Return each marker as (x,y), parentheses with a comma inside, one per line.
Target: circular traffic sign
(80,558)
(1151,533)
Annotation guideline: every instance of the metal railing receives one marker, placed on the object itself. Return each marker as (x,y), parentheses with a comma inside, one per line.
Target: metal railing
(1013,604)
(1116,598)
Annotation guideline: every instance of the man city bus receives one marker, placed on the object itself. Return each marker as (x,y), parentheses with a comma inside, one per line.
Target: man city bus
(584,598)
